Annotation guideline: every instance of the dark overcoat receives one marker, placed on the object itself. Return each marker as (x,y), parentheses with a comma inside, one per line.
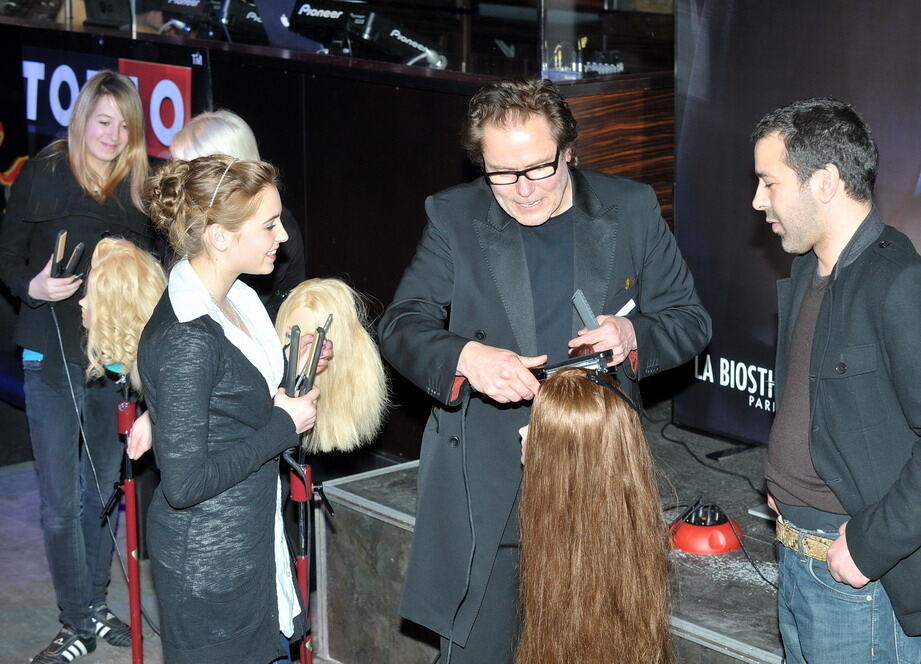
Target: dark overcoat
(864,380)
(469,281)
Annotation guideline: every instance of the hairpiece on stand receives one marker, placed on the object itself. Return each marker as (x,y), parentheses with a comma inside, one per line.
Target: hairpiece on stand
(219,182)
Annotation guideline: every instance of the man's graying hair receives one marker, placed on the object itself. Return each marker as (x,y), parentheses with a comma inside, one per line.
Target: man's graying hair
(821,131)
(513,100)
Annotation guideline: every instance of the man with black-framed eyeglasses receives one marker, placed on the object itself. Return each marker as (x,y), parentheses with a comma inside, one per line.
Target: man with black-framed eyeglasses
(485,299)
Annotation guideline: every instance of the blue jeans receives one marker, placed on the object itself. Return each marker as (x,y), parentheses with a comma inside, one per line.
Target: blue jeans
(826,622)
(286,645)
(77,543)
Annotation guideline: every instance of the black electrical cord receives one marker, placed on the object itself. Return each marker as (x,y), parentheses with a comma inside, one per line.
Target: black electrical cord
(735,531)
(705,464)
(89,458)
(656,420)
(470,523)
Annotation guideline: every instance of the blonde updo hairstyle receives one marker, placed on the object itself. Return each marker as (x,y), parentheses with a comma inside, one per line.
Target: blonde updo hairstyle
(123,287)
(183,198)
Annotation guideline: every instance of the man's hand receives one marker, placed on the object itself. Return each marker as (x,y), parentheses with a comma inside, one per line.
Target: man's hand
(140,438)
(615,333)
(498,373)
(841,565)
(51,289)
(772,504)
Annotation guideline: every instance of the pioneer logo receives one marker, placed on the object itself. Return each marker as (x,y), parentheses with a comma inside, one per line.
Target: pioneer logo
(399,36)
(307,10)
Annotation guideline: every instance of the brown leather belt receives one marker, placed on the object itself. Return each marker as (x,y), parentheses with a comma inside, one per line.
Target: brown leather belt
(809,545)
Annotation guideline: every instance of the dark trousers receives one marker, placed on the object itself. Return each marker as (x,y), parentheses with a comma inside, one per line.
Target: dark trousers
(77,543)
(494,634)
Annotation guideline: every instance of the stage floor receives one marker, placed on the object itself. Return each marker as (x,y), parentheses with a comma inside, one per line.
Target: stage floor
(721,603)
(28,615)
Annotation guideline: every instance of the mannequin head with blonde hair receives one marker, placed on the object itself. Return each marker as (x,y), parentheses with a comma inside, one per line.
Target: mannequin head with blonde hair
(594,573)
(123,287)
(354,386)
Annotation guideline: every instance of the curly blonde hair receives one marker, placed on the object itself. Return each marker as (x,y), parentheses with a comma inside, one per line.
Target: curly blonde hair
(354,386)
(183,198)
(123,287)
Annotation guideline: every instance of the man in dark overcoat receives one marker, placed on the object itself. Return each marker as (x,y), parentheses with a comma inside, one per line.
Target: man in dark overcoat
(843,468)
(486,298)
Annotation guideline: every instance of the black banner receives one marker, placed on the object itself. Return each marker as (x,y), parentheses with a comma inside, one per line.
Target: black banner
(737,60)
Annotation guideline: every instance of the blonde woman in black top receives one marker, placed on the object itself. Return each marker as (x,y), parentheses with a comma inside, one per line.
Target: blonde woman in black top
(89,185)
(210,365)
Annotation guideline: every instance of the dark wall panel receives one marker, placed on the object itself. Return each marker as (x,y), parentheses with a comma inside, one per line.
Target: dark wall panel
(630,133)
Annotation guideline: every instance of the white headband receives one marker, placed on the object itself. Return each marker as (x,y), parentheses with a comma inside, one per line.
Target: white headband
(214,195)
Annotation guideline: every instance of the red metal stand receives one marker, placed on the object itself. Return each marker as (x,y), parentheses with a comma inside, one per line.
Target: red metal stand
(302,494)
(127,414)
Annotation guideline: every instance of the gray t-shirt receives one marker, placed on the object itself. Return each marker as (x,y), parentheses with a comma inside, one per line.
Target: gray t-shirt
(791,478)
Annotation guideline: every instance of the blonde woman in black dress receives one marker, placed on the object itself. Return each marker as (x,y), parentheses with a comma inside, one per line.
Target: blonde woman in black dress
(210,364)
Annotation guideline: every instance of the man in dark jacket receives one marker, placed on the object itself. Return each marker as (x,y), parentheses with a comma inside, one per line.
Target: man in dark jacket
(844,463)
(486,298)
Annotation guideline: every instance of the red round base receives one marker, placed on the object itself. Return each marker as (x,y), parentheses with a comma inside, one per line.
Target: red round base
(708,540)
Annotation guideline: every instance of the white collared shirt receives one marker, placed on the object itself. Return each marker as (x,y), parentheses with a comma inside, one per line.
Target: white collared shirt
(191,300)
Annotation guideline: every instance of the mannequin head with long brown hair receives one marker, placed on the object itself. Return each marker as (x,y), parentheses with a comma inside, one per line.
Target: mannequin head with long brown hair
(594,572)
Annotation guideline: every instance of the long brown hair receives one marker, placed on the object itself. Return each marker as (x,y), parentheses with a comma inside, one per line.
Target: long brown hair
(131,161)
(594,571)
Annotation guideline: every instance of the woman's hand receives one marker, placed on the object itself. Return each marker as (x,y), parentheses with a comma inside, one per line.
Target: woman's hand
(326,355)
(52,289)
(303,410)
(140,438)
(306,350)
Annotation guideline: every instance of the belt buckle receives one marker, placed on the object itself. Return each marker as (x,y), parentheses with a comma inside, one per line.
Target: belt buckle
(811,546)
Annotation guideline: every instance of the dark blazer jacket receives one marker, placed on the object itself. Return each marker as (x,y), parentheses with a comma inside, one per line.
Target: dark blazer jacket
(217,437)
(469,281)
(864,380)
(45,199)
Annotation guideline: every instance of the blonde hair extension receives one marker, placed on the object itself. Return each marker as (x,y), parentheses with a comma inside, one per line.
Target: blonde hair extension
(354,386)
(123,287)
(594,570)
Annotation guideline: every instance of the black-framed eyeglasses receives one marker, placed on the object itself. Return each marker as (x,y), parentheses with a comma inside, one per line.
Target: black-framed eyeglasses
(539,172)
